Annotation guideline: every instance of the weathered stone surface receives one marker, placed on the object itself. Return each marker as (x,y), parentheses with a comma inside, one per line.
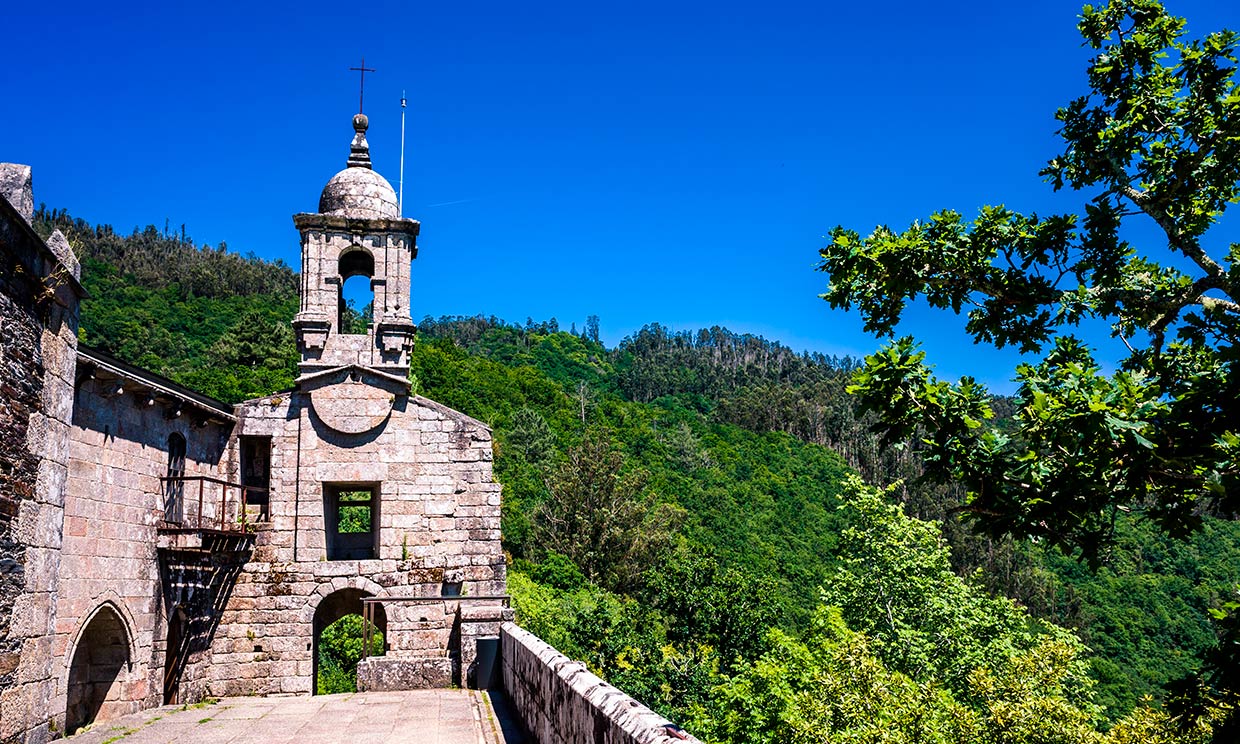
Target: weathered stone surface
(413,717)
(359,193)
(17,188)
(352,407)
(38,336)
(560,702)
(383,674)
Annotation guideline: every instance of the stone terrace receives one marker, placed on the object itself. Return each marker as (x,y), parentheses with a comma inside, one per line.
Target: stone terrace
(413,717)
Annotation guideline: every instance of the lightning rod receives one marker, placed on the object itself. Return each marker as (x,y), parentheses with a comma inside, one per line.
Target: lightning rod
(400,199)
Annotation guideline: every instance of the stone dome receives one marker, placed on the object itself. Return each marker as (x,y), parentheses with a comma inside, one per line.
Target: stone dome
(359,192)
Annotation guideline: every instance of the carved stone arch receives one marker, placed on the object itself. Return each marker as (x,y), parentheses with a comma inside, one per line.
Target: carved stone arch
(340,582)
(100,664)
(333,601)
(355,260)
(111,600)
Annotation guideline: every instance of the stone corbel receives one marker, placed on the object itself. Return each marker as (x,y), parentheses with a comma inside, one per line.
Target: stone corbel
(311,331)
(395,336)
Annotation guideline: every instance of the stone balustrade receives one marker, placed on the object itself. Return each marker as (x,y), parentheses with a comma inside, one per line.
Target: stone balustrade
(559,702)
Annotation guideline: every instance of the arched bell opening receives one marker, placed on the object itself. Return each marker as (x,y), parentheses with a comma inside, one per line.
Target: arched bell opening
(98,672)
(338,640)
(356,300)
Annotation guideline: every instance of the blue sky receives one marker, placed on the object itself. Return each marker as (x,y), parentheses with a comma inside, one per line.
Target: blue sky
(645,162)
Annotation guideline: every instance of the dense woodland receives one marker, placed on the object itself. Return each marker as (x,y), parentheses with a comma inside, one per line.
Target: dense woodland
(705,519)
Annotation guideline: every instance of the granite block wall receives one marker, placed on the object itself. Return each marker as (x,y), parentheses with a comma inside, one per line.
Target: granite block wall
(437,521)
(560,702)
(110,559)
(39,296)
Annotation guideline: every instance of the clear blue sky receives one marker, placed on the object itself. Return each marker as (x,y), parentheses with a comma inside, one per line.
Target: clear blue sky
(668,162)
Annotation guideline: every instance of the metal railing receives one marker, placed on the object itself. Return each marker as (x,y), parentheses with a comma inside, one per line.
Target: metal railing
(369,603)
(207,512)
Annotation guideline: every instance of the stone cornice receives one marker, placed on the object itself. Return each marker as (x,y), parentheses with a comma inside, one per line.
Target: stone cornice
(310,220)
(95,359)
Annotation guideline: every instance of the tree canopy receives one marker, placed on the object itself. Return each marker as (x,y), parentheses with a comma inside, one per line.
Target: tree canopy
(1156,138)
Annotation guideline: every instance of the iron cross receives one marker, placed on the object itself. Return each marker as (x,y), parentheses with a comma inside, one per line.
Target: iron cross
(361,92)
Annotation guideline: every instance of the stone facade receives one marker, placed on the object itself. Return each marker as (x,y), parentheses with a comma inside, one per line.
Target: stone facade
(112,569)
(350,440)
(436,523)
(39,295)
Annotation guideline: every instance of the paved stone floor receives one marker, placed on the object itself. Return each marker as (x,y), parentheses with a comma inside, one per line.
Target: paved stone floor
(414,717)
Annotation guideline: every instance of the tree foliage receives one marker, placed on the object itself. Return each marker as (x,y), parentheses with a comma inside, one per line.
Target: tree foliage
(340,649)
(941,660)
(894,583)
(601,518)
(1158,137)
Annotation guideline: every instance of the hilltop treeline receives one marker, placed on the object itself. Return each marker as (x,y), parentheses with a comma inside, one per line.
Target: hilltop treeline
(726,458)
(156,259)
(206,317)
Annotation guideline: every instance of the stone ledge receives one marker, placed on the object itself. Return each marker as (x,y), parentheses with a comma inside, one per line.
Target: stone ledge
(386,674)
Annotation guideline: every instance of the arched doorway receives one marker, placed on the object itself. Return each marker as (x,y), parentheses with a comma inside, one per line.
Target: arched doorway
(175,653)
(338,629)
(98,671)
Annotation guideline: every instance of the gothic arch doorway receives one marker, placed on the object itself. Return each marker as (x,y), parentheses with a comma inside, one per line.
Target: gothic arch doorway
(340,614)
(98,671)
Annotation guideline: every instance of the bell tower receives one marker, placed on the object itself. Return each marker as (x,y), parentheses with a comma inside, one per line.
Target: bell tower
(358,231)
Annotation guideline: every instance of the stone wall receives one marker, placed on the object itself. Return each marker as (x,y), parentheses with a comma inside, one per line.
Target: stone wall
(110,562)
(559,702)
(438,519)
(39,295)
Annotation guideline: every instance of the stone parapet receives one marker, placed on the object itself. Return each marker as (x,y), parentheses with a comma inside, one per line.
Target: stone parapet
(559,702)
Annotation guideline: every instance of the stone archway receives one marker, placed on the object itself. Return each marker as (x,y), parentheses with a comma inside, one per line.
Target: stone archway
(98,671)
(333,607)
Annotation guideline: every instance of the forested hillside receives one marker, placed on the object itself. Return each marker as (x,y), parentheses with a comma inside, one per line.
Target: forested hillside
(681,514)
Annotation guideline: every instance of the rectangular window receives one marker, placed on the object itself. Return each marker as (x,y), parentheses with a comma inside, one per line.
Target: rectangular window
(256,473)
(352,521)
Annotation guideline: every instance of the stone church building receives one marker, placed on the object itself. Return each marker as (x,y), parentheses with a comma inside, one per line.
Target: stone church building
(160,546)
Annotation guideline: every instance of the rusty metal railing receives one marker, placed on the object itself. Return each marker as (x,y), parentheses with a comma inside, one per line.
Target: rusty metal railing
(369,603)
(210,514)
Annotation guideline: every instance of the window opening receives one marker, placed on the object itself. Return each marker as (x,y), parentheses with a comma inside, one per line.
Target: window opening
(256,474)
(174,486)
(352,517)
